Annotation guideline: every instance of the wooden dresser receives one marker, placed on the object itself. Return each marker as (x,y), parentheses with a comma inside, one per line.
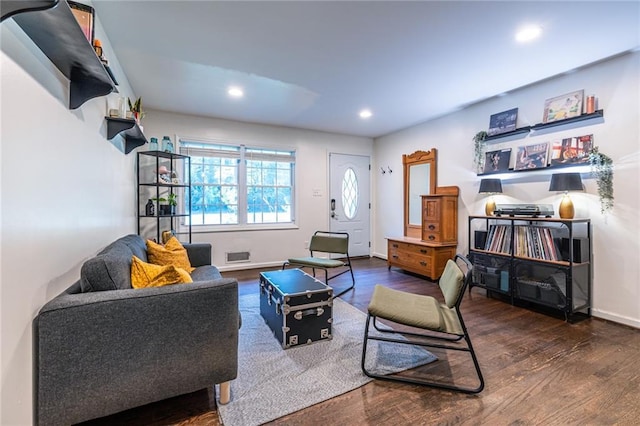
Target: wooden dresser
(438,240)
(419,257)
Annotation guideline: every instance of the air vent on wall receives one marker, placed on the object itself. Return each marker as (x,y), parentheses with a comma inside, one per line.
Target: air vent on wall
(237,256)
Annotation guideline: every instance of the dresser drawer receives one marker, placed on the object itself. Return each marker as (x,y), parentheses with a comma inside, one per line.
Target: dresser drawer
(396,246)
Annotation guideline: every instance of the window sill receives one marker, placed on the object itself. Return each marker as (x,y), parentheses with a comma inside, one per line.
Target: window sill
(207,229)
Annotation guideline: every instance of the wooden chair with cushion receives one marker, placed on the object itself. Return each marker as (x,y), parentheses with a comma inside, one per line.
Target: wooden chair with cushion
(425,322)
(328,243)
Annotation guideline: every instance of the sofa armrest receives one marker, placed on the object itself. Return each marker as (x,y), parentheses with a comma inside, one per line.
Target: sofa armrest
(114,350)
(199,253)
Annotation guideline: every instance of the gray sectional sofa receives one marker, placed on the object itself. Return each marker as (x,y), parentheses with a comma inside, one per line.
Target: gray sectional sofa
(102,347)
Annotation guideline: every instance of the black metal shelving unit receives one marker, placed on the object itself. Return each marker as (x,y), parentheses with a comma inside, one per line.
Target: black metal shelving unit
(563,285)
(150,187)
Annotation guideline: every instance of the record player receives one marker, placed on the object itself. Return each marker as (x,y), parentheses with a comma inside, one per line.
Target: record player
(530,210)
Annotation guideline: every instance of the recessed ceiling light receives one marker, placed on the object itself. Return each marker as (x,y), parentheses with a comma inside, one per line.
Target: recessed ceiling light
(235,92)
(528,33)
(365,113)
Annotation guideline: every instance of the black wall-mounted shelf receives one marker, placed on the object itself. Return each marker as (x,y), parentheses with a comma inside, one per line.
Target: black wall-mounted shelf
(129,129)
(518,131)
(596,114)
(55,31)
(540,126)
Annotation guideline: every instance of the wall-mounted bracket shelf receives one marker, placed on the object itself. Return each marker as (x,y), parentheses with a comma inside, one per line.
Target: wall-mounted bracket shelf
(57,33)
(129,129)
(13,7)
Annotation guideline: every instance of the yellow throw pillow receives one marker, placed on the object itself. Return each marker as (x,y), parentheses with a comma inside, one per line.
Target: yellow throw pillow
(145,275)
(172,253)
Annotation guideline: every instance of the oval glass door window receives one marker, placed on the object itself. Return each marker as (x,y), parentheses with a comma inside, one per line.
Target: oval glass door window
(350,193)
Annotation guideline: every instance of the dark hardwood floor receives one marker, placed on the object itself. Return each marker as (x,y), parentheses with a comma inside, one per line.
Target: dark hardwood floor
(538,369)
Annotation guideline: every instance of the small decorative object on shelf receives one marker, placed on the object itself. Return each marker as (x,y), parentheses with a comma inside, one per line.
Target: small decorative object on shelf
(573,150)
(136,109)
(167,144)
(503,122)
(153,145)
(566,182)
(497,161)
(149,209)
(591,104)
(490,186)
(85,16)
(532,156)
(562,107)
(164,176)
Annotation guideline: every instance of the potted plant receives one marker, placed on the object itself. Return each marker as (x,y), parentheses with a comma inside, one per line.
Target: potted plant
(167,206)
(478,153)
(602,169)
(136,109)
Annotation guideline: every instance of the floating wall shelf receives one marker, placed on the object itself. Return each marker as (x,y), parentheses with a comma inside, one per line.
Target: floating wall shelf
(521,130)
(55,31)
(597,114)
(129,129)
(540,126)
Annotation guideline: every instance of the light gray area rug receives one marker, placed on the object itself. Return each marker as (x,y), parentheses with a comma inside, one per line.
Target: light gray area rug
(273,382)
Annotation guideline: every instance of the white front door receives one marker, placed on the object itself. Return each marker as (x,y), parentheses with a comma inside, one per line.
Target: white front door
(349,200)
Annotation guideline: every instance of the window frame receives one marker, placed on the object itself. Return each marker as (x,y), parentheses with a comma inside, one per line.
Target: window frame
(242,170)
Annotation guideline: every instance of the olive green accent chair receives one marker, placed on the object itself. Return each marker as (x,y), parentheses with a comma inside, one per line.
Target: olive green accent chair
(427,322)
(326,243)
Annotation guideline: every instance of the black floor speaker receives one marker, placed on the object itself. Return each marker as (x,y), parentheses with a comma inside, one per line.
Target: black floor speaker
(480,238)
(580,249)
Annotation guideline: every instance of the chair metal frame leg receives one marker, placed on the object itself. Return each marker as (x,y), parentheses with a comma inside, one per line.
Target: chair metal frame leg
(418,381)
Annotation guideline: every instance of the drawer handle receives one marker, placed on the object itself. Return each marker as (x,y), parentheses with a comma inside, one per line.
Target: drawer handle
(423,263)
(432,237)
(394,256)
(423,251)
(432,227)
(394,245)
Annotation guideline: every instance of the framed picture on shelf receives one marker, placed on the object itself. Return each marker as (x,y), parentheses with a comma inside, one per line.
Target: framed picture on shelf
(532,156)
(85,16)
(573,150)
(497,161)
(503,122)
(563,107)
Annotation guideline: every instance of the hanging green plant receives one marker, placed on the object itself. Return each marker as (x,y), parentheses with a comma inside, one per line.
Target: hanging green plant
(479,146)
(602,169)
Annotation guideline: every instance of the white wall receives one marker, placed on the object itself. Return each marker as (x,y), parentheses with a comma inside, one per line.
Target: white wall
(616,246)
(267,247)
(66,192)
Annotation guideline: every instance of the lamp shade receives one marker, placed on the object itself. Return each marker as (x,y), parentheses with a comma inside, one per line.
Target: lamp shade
(490,186)
(565,182)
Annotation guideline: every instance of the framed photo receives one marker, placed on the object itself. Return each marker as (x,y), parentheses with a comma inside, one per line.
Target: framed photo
(85,16)
(563,107)
(497,161)
(532,156)
(573,150)
(503,122)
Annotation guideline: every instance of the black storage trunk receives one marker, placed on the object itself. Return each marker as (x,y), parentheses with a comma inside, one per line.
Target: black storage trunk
(296,306)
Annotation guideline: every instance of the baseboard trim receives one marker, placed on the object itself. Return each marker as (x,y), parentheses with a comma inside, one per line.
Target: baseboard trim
(619,319)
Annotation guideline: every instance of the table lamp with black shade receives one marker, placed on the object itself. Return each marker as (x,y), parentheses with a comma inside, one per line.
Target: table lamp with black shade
(566,182)
(490,186)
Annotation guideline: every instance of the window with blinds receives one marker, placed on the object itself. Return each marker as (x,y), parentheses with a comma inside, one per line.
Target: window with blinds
(239,184)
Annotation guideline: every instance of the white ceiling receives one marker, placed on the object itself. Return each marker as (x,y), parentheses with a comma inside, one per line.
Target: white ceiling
(315,65)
